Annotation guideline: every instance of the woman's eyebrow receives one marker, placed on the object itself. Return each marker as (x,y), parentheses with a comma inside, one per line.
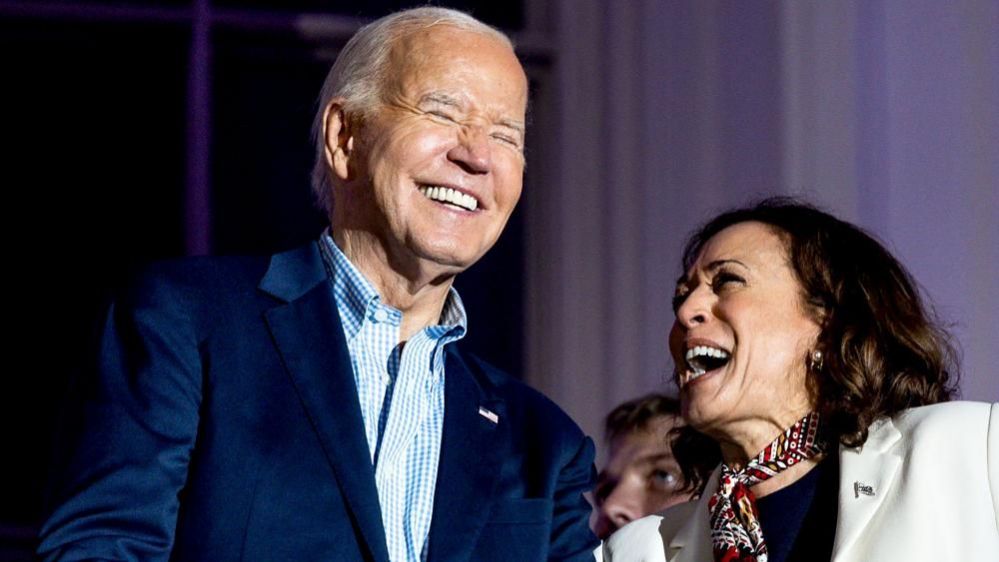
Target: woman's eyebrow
(711,268)
(717,264)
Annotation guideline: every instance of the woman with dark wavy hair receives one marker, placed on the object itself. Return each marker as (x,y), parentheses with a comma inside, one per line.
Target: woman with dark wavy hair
(803,348)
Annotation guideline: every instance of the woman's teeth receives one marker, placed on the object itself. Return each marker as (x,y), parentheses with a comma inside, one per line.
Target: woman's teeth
(702,358)
(451,196)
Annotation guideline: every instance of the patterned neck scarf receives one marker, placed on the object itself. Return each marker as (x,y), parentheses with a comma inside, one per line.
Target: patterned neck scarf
(736,535)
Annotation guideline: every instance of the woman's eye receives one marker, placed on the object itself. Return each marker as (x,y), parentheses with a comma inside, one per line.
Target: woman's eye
(724,278)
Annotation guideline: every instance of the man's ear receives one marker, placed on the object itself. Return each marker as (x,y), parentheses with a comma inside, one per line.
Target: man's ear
(339,139)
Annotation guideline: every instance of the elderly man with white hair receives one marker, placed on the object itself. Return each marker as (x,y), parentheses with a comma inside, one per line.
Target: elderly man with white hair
(313,405)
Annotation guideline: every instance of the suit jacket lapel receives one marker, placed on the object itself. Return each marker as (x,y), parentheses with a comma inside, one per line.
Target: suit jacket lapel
(866,476)
(309,337)
(472,450)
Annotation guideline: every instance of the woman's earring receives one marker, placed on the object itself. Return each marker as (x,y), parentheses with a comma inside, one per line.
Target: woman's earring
(815,361)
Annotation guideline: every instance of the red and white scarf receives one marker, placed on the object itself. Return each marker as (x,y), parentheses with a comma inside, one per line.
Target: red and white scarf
(736,535)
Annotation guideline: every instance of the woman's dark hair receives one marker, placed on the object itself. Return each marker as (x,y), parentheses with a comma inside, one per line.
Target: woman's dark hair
(882,349)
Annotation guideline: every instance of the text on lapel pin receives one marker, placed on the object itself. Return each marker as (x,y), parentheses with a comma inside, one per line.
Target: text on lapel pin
(861,488)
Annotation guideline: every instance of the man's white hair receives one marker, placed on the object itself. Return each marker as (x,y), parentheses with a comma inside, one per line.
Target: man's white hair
(359,72)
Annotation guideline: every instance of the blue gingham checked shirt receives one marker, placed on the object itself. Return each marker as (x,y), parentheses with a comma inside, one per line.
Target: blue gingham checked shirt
(401,392)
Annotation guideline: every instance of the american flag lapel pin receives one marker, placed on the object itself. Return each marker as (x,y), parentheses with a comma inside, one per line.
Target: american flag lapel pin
(488,414)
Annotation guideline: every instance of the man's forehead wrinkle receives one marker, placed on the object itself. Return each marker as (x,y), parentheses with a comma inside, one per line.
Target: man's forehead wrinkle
(440,97)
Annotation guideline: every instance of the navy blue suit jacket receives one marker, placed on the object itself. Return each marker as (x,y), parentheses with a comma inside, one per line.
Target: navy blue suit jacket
(222,423)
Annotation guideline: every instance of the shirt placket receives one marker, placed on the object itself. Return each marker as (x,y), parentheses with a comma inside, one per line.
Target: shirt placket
(372,379)
(408,416)
(402,401)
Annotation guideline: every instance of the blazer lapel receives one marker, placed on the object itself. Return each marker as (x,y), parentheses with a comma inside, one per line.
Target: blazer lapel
(472,449)
(866,476)
(692,541)
(309,337)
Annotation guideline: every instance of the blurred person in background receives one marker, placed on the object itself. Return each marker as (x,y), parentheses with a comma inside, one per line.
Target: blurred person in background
(642,475)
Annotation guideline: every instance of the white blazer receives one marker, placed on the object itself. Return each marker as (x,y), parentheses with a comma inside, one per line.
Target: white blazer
(925,486)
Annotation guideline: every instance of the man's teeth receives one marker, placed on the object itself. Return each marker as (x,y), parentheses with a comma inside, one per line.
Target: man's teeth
(452,196)
(702,358)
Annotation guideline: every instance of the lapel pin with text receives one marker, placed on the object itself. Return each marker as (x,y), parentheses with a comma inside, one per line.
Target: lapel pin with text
(861,488)
(488,414)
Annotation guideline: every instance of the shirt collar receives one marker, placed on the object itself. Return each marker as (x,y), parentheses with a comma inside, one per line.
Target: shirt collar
(356,295)
(453,321)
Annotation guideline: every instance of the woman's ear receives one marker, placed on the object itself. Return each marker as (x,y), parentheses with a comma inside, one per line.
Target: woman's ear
(339,139)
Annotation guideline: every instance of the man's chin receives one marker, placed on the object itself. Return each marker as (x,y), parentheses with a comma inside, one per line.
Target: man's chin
(449,257)
(444,266)
(435,266)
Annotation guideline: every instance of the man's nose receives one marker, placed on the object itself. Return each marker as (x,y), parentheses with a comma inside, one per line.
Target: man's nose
(618,509)
(473,152)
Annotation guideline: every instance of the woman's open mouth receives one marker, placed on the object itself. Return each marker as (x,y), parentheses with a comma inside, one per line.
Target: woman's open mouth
(702,359)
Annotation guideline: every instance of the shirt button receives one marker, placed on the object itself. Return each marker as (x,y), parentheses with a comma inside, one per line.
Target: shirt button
(381,315)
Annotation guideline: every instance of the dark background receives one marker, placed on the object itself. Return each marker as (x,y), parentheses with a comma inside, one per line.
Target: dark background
(95,114)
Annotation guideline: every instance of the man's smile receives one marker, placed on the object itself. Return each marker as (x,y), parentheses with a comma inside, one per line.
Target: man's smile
(450,197)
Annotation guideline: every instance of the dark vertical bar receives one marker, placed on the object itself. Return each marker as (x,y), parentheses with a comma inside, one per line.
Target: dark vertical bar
(197,200)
